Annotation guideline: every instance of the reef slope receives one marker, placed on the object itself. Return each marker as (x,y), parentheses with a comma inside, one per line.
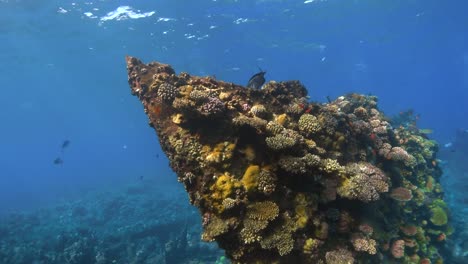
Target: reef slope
(280,179)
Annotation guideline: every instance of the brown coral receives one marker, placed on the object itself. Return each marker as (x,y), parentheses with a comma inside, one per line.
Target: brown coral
(409,230)
(398,248)
(401,194)
(214,228)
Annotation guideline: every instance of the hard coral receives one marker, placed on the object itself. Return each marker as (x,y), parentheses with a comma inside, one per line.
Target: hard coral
(401,194)
(214,228)
(309,124)
(273,178)
(339,256)
(311,245)
(365,183)
(281,141)
(250,179)
(212,107)
(364,244)
(223,188)
(439,216)
(266,182)
(398,248)
(258,215)
(280,238)
(409,230)
(262,211)
(167,92)
(259,110)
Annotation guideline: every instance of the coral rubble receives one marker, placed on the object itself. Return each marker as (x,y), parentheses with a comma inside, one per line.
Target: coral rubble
(279,179)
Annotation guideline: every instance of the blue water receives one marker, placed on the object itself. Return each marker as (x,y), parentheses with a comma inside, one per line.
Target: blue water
(63,75)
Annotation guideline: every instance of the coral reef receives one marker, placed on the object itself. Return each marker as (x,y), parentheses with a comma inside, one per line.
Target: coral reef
(140,224)
(279,179)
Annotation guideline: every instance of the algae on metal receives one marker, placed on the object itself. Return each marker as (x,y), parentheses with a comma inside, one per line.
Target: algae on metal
(280,179)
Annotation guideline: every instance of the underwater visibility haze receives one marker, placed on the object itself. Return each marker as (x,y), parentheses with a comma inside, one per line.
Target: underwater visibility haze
(234,131)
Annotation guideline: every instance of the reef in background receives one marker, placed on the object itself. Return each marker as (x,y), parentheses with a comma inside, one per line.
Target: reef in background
(279,179)
(145,223)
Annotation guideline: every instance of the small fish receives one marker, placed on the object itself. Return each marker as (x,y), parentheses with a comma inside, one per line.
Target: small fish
(257,80)
(65,144)
(329,99)
(58,161)
(141,177)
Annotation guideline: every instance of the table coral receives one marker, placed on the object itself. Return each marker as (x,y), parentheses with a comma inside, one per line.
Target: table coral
(280,179)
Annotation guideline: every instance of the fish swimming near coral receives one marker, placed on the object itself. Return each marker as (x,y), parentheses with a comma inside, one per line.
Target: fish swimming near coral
(257,80)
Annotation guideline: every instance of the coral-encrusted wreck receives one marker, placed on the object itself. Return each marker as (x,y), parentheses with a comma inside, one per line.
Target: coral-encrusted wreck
(278,179)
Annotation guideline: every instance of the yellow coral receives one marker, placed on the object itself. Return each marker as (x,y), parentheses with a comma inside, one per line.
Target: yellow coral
(222,189)
(310,245)
(221,152)
(332,166)
(224,95)
(281,119)
(177,119)
(250,178)
(185,90)
(301,221)
(303,210)
(249,152)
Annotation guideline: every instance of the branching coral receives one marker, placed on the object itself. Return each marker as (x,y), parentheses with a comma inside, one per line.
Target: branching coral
(258,215)
(259,110)
(214,228)
(281,141)
(339,256)
(309,124)
(212,107)
(265,211)
(266,182)
(364,244)
(365,183)
(280,238)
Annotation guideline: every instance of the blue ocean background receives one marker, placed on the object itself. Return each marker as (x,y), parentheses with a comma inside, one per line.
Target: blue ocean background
(63,77)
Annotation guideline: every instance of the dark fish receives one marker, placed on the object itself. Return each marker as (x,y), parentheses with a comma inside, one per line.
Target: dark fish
(58,161)
(141,177)
(257,80)
(65,143)
(329,99)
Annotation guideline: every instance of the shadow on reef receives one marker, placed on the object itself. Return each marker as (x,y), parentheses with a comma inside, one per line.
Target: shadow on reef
(147,223)
(279,179)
